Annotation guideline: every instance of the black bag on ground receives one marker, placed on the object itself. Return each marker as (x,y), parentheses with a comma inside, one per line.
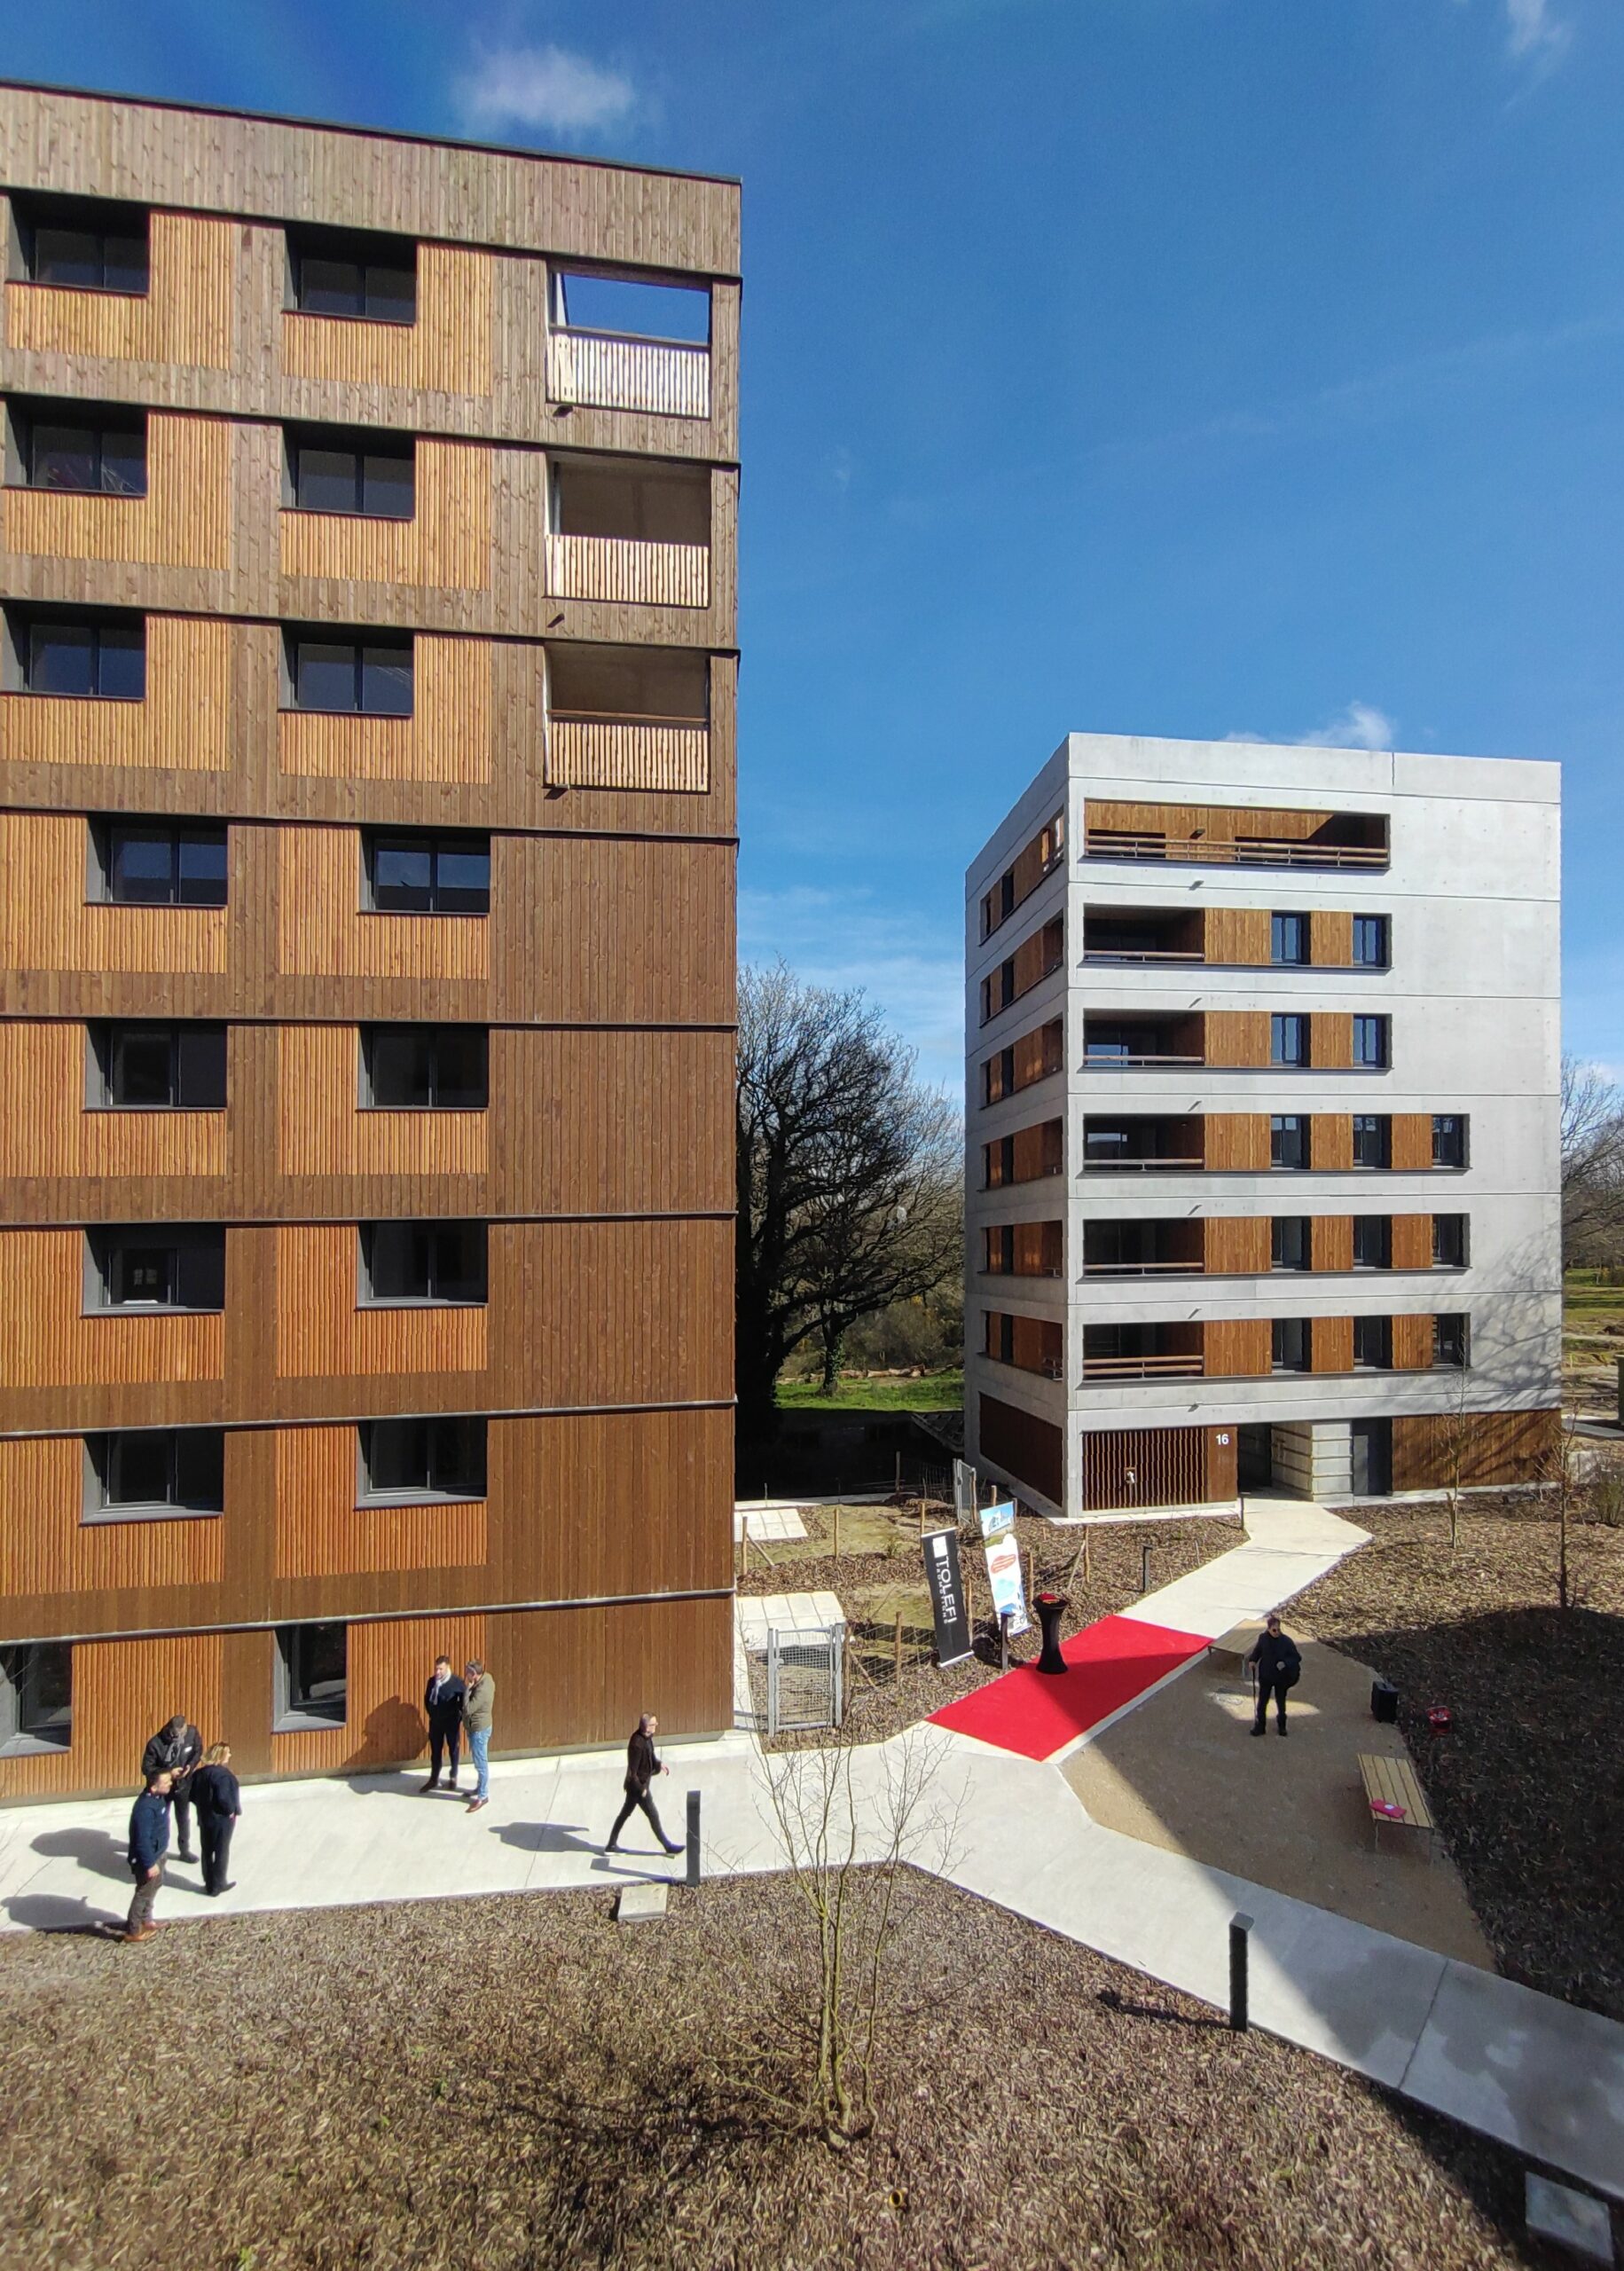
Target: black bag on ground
(1383,1700)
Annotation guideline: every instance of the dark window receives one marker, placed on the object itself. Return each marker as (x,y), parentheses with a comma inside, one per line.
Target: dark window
(36,1695)
(404,1262)
(1287,1141)
(374,478)
(1448,1241)
(372,280)
(678,312)
(312,1674)
(1370,941)
(1290,1344)
(93,454)
(1372,1242)
(1290,1243)
(83,248)
(422,1458)
(1288,938)
(157,1068)
(1287,1040)
(1000,1337)
(1372,1146)
(424,1068)
(1450,1339)
(142,1470)
(1371,1042)
(411,874)
(86,656)
(1372,1344)
(162,1266)
(1448,1140)
(139,864)
(369,678)
(1001,1249)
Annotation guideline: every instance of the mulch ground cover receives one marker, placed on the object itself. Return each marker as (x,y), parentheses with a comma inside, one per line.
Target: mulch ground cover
(509,2084)
(1528,1786)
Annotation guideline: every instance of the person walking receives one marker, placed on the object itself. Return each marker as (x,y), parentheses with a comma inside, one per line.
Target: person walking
(479,1704)
(177,1750)
(641,1767)
(443,1700)
(149,1842)
(217,1795)
(1279,1668)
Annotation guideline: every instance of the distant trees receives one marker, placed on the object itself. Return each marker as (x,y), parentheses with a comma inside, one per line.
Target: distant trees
(1592,1167)
(850,1178)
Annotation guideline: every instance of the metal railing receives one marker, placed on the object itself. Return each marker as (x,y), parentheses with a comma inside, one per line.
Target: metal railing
(1118,1166)
(1141,954)
(1095,1058)
(1216,852)
(1142,1368)
(1143,1268)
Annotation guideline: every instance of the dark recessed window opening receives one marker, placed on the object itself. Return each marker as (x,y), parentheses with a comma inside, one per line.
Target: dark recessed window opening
(424,1068)
(1288,1137)
(1448,1241)
(411,872)
(368,677)
(633,307)
(374,476)
(422,1458)
(1289,1242)
(1288,938)
(637,503)
(93,657)
(313,1675)
(157,1266)
(1371,1042)
(79,246)
(155,1470)
(1370,941)
(629,684)
(1289,1348)
(1372,1242)
(1448,1140)
(1287,1040)
(156,1067)
(1450,1339)
(138,864)
(1372,1344)
(406,1263)
(1372,1140)
(36,1697)
(89,452)
(369,279)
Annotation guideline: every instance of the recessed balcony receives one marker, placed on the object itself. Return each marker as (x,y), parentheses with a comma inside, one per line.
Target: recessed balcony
(1143,1352)
(1125,935)
(620,342)
(627,718)
(1235,836)
(620,531)
(1118,1043)
(1141,1145)
(1172,1249)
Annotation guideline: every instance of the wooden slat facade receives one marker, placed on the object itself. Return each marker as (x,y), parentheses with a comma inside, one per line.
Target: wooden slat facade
(1490,1448)
(1026,1448)
(1168,1467)
(1236,1347)
(1236,1244)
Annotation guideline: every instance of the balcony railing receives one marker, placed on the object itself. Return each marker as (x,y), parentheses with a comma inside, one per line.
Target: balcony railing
(1142,1368)
(1141,954)
(618,568)
(627,752)
(609,370)
(1119,1166)
(1106,1060)
(1214,852)
(1142,1268)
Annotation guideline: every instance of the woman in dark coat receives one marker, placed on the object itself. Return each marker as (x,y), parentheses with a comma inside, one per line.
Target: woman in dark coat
(217,1795)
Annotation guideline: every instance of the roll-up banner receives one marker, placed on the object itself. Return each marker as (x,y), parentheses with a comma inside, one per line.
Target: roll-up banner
(1004,1576)
(996,1520)
(947,1602)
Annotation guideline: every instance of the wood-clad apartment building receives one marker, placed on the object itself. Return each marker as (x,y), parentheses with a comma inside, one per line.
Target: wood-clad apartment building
(366,938)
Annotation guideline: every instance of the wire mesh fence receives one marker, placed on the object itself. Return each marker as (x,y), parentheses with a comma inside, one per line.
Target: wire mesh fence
(805,1679)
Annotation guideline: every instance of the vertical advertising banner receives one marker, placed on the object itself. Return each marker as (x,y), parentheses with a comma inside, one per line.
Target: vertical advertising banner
(1004,1576)
(996,1520)
(947,1601)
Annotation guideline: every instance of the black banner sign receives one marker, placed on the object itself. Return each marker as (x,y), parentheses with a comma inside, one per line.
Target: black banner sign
(947,1601)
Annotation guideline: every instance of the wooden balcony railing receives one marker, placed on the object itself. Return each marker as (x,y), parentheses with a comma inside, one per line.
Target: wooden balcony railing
(618,568)
(1113,1167)
(1104,1060)
(597,752)
(1142,1268)
(1140,954)
(1142,1368)
(1213,851)
(607,370)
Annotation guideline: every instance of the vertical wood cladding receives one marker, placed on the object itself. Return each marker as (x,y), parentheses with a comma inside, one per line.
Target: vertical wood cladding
(1412,1242)
(47,1547)
(1330,1141)
(1331,1039)
(1330,1242)
(1027,1449)
(446,542)
(447,350)
(1158,1466)
(447,739)
(323,1532)
(1412,1141)
(1232,1141)
(46,922)
(47,1338)
(123,1692)
(185,316)
(1330,1344)
(323,933)
(183,724)
(1494,1448)
(322,1331)
(184,520)
(1412,1344)
(1240,935)
(1237,1348)
(1331,938)
(1236,1037)
(1238,1244)
(47,1134)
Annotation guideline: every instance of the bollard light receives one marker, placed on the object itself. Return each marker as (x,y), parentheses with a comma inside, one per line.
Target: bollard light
(693,1836)
(1240,1932)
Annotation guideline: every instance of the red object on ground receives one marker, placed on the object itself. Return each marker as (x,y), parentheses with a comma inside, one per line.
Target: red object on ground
(1107,1665)
(1387,1810)
(1440,1717)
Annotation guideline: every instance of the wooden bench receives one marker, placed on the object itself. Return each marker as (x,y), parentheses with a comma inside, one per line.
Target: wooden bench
(1392,1781)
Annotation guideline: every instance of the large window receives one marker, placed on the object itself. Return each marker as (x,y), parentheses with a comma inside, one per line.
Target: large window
(424,1068)
(407,1459)
(156,1266)
(402,1263)
(1288,938)
(411,873)
(36,1697)
(135,864)
(312,1676)
(374,476)
(79,246)
(1372,1344)
(1289,1242)
(1290,1350)
(1372,1140)
(1370,948)
(1450,1339)
(1449,1139)
(1287,1141)
(372,280)
(156,1068)
(1372,1242)
(368,677)
(1287,1040)
(142,1471)
(1371,1049)
(86,657)
(1448,1241)
(95,453)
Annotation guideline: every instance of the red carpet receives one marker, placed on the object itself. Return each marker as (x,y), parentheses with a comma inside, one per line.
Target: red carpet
(1036,1713)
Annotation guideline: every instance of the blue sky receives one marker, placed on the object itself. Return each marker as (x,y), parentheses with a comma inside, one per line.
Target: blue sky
(1175,366)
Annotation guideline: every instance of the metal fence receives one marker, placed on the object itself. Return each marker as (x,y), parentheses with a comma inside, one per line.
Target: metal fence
(805,1679)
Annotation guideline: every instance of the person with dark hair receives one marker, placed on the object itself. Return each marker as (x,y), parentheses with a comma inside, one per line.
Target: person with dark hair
(178,1750)
(217,1795)
(479,1706)
(641,1767)
(444,1699)
(1279,1667)
(149,1842)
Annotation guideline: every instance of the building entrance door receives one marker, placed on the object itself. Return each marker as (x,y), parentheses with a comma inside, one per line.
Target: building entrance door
(1255,1458)
(1371,1442)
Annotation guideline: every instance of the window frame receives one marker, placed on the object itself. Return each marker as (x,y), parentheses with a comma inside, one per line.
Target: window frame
(1381,1127)
(24,625)
(1381,1226)
(366,1234)
(101,1039)
(26,417)
(406,1495)
(99,1509)
(1277,1243)
(107,220)
(346,442)
(21,1737)
(360,641)
(1286,1026)
(1382,1327)
(437,843)
(292,1713)
(1280,1328)
(106,828)
(1278,919)
(373,1029)
(364,250)
(1384,927)
(1282,1125)
(1460,1337)
(100,1248)
(1366,1024)
(1463,1242)
(1462,1131)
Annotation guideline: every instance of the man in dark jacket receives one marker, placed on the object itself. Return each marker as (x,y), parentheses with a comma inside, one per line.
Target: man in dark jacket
(1278,1666)
(641,1767)
(217,1795)
(149,1842)
(444,1699)
(178,1750)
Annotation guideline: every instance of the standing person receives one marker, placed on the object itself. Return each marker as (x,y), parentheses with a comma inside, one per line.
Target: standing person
(149,1842)
(217,1795)
(641,1767)
(1279,1666)
(177,1747)
(443,1700)
(478,1705)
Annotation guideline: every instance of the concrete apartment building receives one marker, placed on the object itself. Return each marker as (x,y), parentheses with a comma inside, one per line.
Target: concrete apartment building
(1262,1080)
(366,938)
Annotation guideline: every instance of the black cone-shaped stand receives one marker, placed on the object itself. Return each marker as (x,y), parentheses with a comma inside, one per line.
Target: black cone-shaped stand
(1051,1608)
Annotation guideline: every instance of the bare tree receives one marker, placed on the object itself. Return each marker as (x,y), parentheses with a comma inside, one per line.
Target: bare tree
(1592,1166)
(849,1175)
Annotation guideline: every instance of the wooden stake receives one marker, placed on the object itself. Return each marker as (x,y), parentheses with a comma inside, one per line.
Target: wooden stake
(898,1647)
(1087,1556)
(837,1533)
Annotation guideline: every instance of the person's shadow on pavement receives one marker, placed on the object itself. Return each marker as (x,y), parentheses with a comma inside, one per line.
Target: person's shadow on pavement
(97,1850)
(572,1837)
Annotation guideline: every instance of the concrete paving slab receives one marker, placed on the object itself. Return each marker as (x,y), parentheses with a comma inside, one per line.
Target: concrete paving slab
(1573,2220)
(640,1904)
(771,1524)
(789,1613)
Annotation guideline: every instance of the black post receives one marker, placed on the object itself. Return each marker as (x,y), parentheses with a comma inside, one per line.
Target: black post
(1240,1930)
(693,1836)
(1003,1639)
(1144,1568)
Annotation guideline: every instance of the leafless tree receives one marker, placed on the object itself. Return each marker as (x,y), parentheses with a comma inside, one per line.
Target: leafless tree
(1592,1166)
(849,1175)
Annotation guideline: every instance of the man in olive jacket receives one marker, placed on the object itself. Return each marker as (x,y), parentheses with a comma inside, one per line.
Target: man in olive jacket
(479,1706)
(1279,1665)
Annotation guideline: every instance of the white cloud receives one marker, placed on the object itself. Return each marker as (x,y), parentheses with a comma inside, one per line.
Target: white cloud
(1533,32)
(913,976)
(1361,726)
(543,87)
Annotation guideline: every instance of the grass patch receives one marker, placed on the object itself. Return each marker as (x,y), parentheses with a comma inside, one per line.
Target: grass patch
(936,1391)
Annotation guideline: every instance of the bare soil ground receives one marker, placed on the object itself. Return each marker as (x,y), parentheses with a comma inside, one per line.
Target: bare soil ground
(505,2084)
(1529,1785)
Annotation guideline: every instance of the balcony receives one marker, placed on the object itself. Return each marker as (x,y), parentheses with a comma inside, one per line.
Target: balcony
(1175,1249)
(1023,1250)
(623,532)
(1143,1352)
(1035,861)
(1235,836)
(1037,957)
(1141,1145)
(1026,1156)
(1122,935)
(1031,1344)
(627,718)
(626,342)
(1115,1043)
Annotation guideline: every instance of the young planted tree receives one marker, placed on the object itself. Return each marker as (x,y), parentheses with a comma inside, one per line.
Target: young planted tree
(1592,1167)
